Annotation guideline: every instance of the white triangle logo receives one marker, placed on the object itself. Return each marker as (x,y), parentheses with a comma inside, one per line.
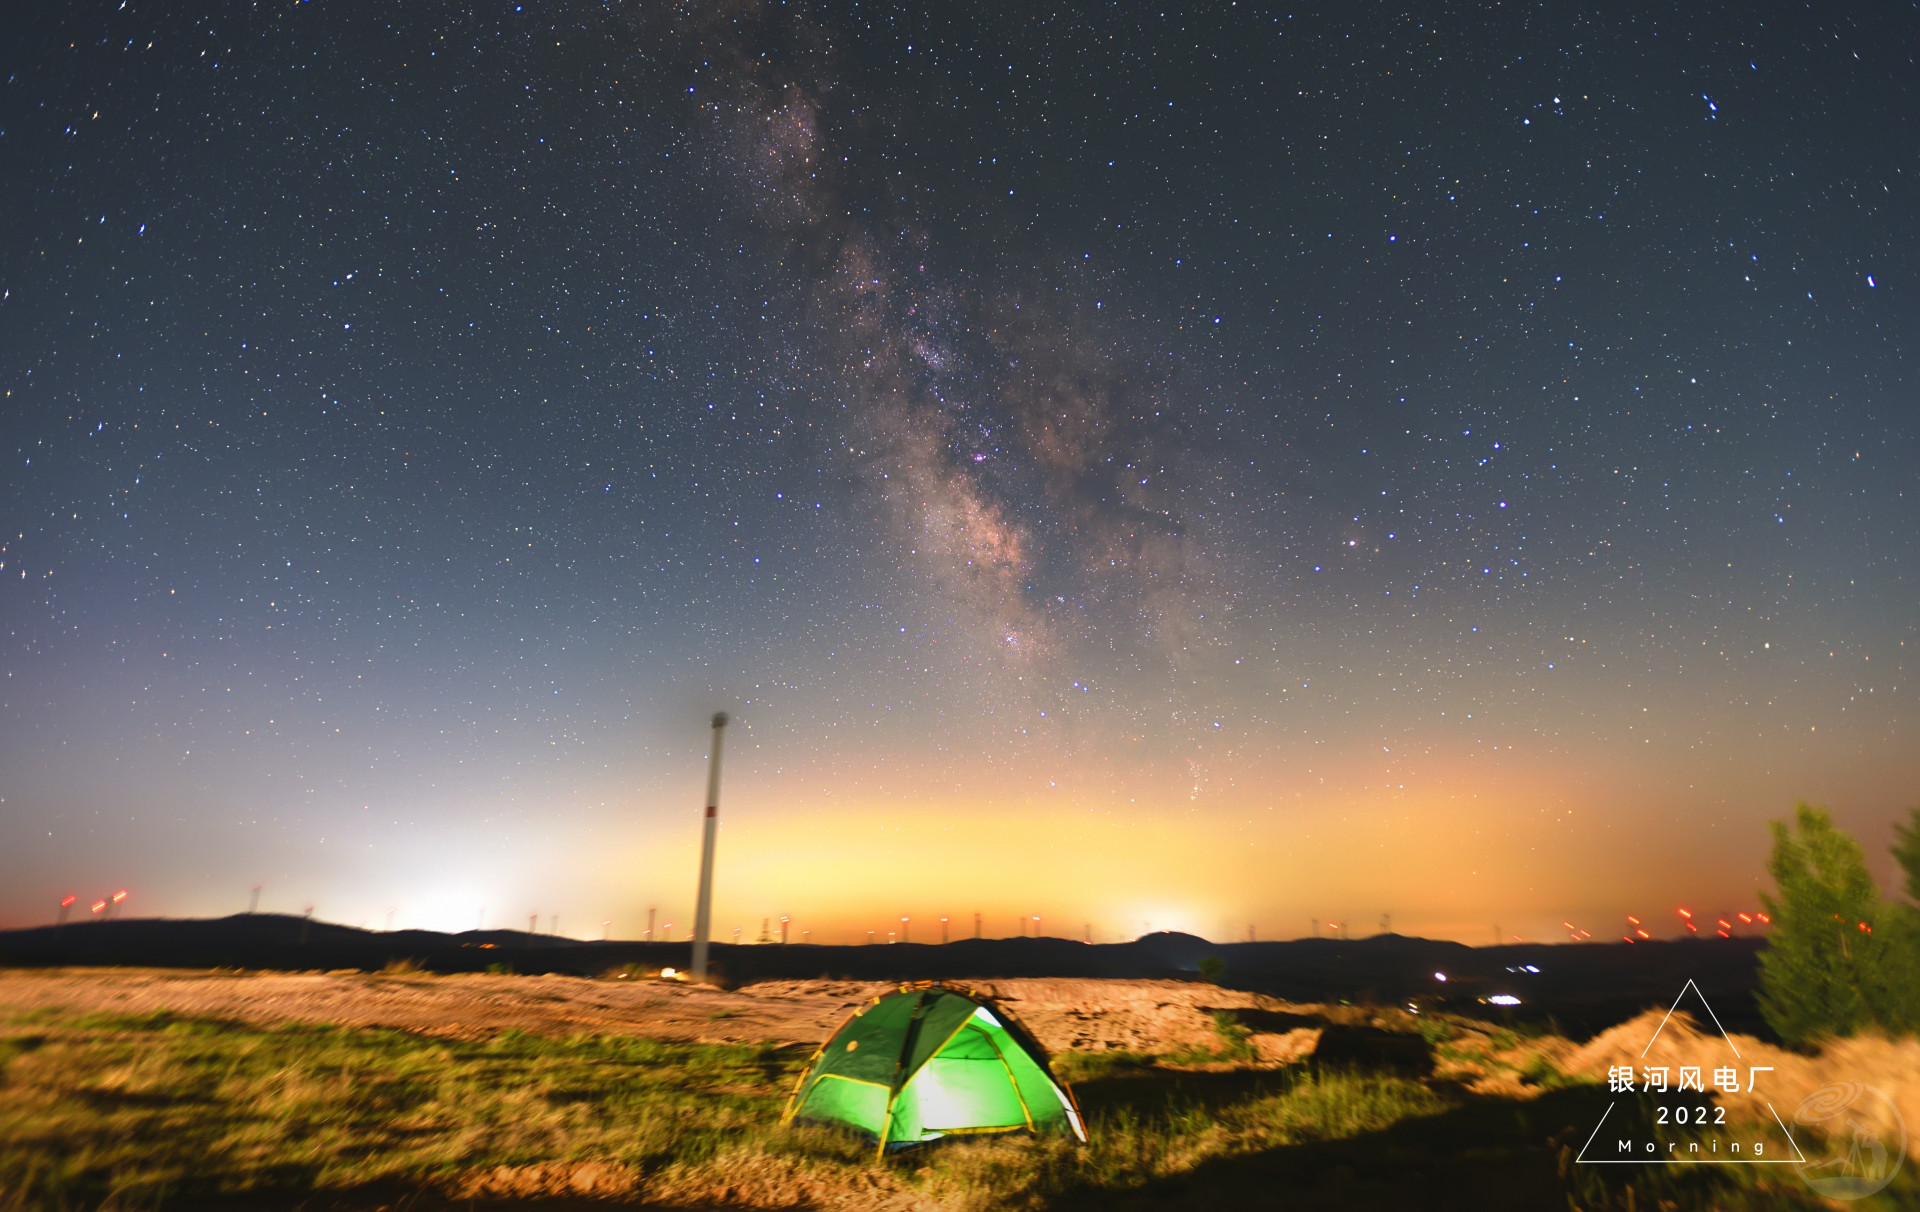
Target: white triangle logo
(1682,1133)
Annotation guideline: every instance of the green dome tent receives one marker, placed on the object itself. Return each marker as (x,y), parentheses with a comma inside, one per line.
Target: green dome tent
(933,1060)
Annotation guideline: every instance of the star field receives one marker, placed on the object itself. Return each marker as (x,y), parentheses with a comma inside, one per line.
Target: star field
(1277,463)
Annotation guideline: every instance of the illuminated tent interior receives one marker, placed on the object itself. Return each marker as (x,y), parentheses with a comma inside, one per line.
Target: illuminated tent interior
(933,1060)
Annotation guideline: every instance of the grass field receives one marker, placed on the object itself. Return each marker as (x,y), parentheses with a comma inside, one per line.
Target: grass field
(165,1111)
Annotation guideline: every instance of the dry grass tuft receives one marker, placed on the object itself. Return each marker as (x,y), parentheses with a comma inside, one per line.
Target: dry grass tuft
(162,1109)
(1891,1066)
(547,1180)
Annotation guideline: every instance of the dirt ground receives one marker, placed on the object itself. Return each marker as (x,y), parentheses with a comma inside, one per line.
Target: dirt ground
(1873,1080)
(1064,1015)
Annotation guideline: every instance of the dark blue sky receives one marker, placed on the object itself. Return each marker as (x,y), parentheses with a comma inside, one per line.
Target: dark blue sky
(1281,463)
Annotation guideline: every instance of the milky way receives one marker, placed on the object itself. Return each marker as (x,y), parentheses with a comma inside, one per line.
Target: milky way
(1138,467)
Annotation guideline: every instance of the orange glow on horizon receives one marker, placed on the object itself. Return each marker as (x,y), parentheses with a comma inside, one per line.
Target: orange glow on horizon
(1096,836)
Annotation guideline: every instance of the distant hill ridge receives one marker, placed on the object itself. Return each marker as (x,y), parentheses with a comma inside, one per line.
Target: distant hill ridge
(1387,968)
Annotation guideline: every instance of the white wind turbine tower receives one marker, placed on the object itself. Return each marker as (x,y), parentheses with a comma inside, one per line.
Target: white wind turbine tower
(703,909)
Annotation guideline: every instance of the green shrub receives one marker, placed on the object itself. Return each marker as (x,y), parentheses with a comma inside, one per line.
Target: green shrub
(1840,958)
(1236,1038)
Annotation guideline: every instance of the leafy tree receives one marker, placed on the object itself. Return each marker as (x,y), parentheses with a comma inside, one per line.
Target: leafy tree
(1831,966)
(1903,935)
(1212,968)
(1907,852)
(1898,1007)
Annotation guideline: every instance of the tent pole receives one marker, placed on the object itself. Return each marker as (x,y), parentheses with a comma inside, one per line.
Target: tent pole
(703,909)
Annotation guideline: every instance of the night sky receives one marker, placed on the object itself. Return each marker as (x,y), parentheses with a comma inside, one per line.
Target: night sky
(1212,468)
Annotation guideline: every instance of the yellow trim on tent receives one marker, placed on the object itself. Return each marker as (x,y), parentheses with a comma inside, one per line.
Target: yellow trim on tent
(979,1131)
(951,1036)
(1007,1021)
(906,1047)
(1011,1079)
(858,1081)
(800,1084)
